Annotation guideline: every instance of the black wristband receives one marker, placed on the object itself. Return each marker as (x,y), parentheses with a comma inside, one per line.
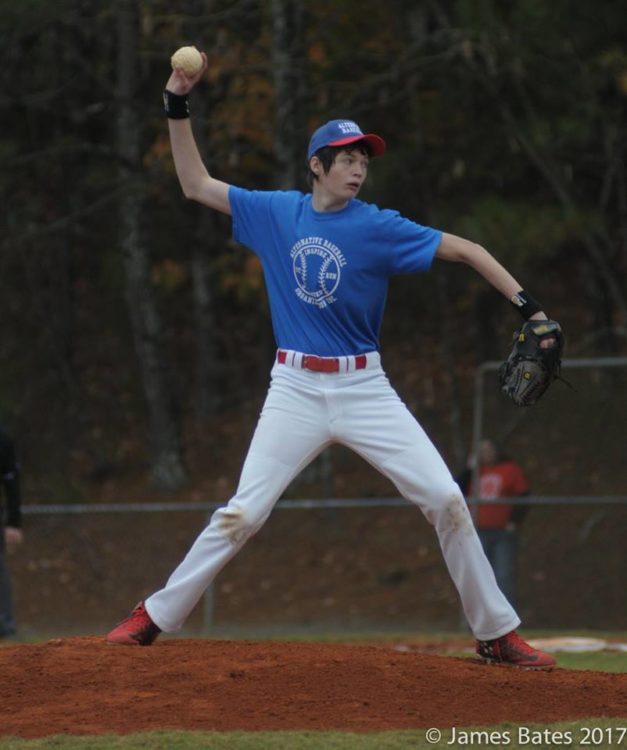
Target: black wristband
(176,105)
(525,304)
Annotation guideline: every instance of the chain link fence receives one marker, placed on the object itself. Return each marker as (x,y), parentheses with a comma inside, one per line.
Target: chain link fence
(317,565)
(365,563)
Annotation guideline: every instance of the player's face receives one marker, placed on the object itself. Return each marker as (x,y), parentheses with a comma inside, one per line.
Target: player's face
(344,179)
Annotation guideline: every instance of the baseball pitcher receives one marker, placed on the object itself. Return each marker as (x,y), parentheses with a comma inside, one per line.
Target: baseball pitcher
(327,258)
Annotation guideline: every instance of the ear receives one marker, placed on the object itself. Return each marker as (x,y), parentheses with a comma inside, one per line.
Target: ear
(315,165)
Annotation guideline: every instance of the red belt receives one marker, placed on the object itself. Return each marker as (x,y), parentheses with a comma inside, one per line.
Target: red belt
(323,364)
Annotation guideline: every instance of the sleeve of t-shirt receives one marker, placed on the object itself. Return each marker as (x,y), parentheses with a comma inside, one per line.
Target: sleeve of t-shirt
(413,246)
(252,216)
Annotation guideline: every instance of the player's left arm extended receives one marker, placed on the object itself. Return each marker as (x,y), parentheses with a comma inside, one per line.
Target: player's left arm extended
(460,250)
(535,360)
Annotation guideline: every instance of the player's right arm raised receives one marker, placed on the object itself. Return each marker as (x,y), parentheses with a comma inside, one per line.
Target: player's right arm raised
(196,182)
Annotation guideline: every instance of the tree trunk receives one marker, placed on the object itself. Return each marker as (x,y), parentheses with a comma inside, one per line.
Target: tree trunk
(416,21)
(447,347)
(207,238)
(207,362)
(289,54)
(168,471)
(290,136)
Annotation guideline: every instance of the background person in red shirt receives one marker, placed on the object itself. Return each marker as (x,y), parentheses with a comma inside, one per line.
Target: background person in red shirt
(498,522)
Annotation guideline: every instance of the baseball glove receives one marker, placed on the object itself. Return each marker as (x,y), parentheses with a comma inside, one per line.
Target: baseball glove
(534,362)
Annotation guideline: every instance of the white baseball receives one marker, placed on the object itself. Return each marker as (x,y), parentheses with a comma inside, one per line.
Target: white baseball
(188,59)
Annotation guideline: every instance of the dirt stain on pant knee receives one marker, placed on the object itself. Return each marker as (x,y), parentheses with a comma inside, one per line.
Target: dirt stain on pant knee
(231,523)
(458,517)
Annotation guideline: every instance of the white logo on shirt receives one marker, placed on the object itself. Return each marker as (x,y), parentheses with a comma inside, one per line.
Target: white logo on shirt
(491,486)
(317,265)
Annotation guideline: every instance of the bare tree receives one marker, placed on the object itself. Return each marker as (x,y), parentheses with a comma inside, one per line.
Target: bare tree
(482,56)
(206,237)
(289,71)
(168,471)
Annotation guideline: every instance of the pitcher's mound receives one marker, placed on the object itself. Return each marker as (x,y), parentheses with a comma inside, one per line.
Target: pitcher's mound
(84,686)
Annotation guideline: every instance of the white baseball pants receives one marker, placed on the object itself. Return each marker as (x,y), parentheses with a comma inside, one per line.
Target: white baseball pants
(305,412)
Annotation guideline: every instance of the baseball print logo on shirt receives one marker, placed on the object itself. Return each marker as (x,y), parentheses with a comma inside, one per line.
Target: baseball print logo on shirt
(317,265)
(490,486)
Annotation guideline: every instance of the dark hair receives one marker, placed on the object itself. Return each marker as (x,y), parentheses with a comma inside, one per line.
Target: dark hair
(328,154)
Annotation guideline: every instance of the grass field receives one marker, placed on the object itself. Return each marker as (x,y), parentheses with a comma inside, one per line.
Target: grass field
(590,733)
(595,733)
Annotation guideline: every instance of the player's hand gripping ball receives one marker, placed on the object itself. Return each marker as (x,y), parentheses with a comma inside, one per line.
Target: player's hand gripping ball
(188,59)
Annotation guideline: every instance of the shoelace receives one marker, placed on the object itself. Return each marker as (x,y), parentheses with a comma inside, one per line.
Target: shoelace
(137,614)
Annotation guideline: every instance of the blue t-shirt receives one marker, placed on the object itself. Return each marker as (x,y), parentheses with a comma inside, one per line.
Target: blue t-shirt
(327,272)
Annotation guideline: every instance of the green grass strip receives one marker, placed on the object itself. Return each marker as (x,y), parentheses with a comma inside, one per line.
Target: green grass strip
(600,661)
(592,733)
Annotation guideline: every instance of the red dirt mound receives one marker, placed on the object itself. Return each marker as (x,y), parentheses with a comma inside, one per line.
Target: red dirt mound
(83,686)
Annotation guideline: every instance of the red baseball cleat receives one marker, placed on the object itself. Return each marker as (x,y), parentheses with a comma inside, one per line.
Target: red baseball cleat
(511,650)
(136,630)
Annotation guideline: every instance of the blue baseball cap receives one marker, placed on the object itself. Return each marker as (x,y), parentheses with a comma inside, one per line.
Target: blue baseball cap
(341,133)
